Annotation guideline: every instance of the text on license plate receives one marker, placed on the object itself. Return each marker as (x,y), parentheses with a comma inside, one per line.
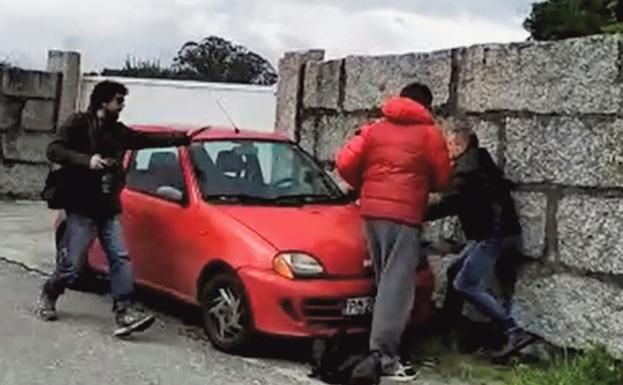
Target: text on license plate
(358,306)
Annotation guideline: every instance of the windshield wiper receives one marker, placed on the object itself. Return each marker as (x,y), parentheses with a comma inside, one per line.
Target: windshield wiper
(310,198)
(242,198)
(298,199)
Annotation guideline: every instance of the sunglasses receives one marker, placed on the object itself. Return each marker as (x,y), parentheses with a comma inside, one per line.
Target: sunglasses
(120,99)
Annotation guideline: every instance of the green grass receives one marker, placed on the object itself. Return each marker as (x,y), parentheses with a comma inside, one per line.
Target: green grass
(449,364)
(594,367)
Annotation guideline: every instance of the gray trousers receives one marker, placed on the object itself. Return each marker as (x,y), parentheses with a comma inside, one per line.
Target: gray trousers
(395,251)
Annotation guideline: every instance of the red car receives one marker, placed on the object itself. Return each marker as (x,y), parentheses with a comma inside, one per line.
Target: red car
(248,226)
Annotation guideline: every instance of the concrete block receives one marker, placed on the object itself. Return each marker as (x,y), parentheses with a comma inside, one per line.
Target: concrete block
(288,89)
(22,180)
(589,233)
(322,84)
(532,211)
(568,77)
(570,311)
(370,80)
(67,63)
(10,112)
(30,84)
(25,147)
(565,150)
(332,133)
(39,115)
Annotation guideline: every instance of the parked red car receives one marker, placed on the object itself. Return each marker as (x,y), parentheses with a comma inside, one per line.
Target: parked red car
(247,226)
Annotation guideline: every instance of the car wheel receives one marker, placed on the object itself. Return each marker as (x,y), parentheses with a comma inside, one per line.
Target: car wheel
(86,278)
(227,318)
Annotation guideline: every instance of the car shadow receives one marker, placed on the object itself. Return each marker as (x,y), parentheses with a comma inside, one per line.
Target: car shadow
(267,347)
(297,350)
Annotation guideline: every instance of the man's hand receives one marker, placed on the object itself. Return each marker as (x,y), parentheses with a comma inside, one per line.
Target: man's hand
(97,162)
(434,198)
(196,131)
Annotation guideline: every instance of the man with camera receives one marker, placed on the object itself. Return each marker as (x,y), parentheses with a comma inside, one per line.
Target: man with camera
(90,147)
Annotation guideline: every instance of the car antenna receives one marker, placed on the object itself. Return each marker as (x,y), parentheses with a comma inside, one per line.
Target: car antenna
(231,121)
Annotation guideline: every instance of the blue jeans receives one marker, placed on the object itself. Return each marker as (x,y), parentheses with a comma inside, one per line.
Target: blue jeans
(478,261)
(79,234)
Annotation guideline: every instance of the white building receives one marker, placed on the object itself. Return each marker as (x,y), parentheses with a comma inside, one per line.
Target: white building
(154,101)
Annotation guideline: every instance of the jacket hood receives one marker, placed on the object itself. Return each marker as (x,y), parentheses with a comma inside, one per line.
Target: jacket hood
(406,111)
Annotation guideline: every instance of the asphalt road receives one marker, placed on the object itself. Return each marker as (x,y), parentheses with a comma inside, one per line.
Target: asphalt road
(79,348)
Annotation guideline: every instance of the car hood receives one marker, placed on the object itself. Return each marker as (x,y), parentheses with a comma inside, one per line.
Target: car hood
(333,234)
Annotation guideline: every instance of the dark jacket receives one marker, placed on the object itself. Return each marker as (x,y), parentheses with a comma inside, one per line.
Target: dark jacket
(82,136)
(480,196)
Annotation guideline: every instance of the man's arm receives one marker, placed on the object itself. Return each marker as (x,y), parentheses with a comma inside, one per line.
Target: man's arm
(438,159)
(448,206)
(136,140)
(465,180)
(349,160)
(59,150)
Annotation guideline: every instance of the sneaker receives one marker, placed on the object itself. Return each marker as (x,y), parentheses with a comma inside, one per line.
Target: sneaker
(130,320)
(517,340)
(367,372)
(46,307)
(404,372)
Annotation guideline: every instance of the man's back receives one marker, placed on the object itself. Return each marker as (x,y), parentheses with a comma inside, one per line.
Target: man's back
(396,161)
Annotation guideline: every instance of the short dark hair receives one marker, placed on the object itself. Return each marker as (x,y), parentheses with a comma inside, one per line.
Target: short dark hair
(104,92)
(419,93)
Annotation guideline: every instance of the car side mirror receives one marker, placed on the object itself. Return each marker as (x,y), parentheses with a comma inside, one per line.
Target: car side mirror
(170,193)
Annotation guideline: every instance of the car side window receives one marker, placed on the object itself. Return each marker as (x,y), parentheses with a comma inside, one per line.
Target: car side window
(154,168)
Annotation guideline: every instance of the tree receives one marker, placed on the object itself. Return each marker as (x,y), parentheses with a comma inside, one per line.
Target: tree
(560,19)
(6,64)
(137,68)
(215,59)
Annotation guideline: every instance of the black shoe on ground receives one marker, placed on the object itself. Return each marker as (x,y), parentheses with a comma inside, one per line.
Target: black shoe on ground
(517,340)
(367,372)
(130,320)
(46,307)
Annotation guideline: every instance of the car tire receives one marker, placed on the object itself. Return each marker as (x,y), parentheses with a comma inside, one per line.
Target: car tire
(86,280)
(227,318)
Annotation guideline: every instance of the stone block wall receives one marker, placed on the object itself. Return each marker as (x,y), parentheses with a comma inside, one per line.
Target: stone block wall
(31,105)
(551,114)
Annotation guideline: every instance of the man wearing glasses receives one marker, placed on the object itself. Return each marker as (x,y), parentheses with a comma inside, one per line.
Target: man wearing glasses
(90,147)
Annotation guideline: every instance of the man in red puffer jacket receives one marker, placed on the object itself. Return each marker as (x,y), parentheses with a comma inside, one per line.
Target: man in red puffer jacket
(395,163)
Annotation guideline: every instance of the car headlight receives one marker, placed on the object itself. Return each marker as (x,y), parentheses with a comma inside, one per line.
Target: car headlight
(297,265)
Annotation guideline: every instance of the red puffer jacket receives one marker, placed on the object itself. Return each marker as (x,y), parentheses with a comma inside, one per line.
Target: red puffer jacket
(396,161)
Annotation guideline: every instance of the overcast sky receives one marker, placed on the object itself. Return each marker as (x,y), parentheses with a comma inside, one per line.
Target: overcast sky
(107,31)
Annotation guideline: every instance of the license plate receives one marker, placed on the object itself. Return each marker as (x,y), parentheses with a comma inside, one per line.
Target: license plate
(358,306)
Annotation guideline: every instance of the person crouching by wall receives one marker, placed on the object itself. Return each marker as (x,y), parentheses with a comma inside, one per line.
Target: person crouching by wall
(481,197)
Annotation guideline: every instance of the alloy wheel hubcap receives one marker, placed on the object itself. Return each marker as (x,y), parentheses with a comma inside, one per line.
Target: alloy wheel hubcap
(226,312)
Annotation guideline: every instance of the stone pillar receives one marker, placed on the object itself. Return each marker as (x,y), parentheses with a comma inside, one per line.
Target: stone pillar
(67,63)
(290,90)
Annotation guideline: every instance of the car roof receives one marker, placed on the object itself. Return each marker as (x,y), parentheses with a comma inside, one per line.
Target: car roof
(213,132)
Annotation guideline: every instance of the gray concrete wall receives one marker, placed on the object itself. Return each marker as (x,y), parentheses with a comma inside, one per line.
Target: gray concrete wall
(552,116)
(31,104)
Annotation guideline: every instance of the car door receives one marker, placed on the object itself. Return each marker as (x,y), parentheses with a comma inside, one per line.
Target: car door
(154,207)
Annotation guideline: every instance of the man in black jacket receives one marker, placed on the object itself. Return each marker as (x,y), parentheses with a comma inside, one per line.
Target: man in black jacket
(480,196)
(90,147)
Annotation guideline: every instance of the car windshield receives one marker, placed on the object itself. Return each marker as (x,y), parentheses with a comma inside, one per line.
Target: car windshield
(264,172)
